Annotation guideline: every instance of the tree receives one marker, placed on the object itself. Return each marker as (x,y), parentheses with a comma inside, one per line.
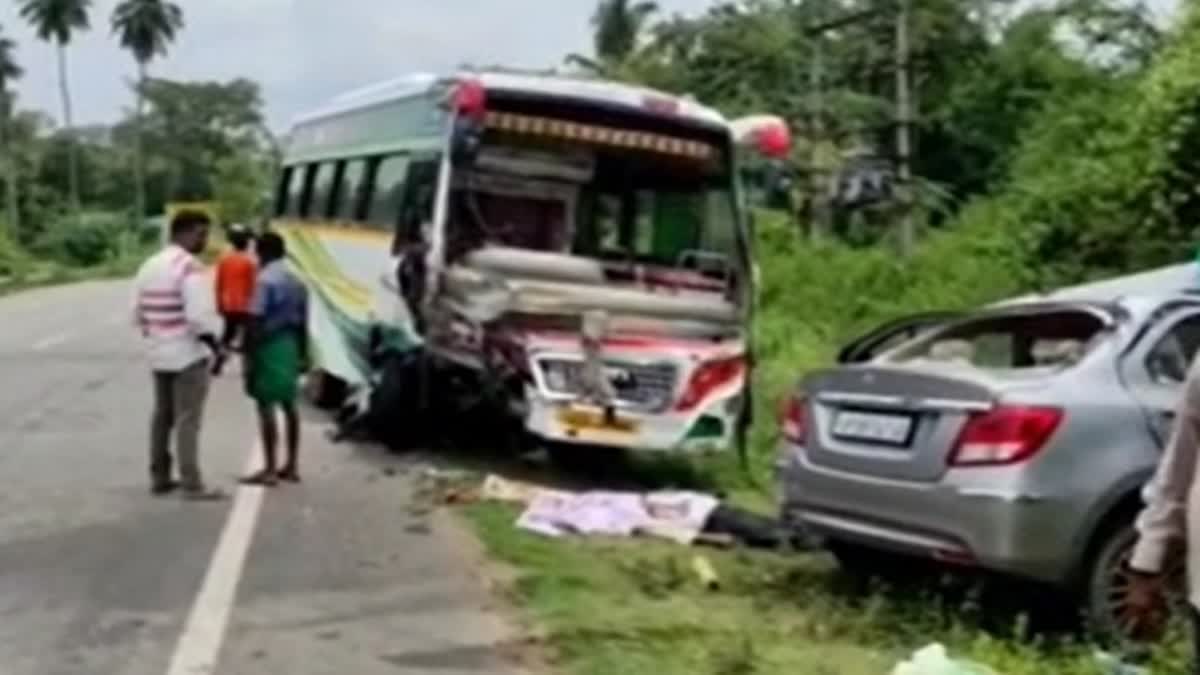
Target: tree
(146,28)
(241,186)
(10,71)
(617,26)
(197,124)
(57,21)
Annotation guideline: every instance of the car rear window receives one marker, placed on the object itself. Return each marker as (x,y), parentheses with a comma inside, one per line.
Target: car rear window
(1050,339)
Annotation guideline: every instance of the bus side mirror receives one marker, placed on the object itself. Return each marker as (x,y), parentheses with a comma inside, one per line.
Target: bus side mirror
(465,141)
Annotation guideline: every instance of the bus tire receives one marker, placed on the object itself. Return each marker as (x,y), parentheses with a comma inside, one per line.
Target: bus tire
(326,391)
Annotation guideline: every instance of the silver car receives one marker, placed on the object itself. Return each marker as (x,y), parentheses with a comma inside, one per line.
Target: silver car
(1015,439)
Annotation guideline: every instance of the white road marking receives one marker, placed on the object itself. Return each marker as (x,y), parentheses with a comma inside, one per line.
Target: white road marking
(51,341)
(200,642)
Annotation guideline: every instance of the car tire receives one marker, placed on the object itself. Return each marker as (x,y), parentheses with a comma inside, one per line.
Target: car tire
(1106,582)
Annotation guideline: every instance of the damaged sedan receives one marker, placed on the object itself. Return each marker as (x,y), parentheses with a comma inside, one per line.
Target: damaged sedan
(1014,439)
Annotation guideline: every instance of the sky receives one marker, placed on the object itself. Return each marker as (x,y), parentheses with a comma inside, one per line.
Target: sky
(303,52)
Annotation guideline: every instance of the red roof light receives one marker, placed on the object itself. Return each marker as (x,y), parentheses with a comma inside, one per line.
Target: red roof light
(470,99)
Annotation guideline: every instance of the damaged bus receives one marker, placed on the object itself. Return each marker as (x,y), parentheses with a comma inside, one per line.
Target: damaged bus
(578,248)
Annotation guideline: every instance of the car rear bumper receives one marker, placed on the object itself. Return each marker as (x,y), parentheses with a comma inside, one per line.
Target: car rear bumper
(964,519)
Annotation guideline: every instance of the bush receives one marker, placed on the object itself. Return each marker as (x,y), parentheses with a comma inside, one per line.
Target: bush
(13,260)
(90,240)
(816,297)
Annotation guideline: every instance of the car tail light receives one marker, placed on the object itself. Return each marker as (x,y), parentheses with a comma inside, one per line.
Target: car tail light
(708,378)
(1005,435)
(793,418)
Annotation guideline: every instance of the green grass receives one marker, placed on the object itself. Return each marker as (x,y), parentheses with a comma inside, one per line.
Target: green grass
(611,606)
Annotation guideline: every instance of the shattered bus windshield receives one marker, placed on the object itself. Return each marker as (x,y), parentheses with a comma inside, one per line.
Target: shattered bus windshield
(618,204)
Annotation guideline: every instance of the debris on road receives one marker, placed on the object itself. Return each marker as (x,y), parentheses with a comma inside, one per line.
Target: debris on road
(934,660)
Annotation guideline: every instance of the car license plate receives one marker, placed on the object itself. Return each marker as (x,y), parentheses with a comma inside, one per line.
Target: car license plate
(873,427)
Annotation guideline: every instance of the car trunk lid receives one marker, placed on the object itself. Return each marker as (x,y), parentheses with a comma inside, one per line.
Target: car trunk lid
(894,423)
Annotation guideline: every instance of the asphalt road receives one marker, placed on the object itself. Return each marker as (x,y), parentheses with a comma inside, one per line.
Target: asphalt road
(341,574)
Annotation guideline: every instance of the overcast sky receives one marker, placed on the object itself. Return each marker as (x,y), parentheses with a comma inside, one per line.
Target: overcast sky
(303,51)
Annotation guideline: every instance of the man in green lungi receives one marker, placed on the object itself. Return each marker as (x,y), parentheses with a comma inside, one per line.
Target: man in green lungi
(275,352)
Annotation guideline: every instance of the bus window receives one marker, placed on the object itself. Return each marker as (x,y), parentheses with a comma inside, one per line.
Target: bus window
(293,191)
(281,191)
(350,190)
(419,195)
(321,191)
(387,191)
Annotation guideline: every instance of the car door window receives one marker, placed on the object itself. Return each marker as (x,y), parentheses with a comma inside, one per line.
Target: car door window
(1168,361)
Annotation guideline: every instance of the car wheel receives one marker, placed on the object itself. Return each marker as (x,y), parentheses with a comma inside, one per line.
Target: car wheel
(1108,584)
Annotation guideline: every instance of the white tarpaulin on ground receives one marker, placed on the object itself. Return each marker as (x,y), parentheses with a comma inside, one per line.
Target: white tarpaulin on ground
(678,516)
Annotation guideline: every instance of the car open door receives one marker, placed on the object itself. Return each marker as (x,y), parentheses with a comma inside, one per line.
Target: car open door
(867,346)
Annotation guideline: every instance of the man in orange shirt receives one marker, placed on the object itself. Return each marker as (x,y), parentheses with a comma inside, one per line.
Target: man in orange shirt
(236,272)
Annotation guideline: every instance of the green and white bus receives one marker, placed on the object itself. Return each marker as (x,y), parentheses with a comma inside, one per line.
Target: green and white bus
(578,245)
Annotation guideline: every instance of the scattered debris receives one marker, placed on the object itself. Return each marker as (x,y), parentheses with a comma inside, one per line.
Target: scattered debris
(1111,664)
(708,575)
(933,660)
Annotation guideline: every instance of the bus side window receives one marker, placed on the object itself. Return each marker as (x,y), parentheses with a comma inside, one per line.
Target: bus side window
(419,193)
(293,191)
(351,188)
(281,191)
(387,191)
(321,191)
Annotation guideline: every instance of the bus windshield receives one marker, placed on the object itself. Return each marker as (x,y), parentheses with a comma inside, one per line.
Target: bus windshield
(613,204)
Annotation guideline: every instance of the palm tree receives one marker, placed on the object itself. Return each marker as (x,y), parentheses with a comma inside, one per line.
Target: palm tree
(56,21)
(617,26)
(146,28)
(10,71)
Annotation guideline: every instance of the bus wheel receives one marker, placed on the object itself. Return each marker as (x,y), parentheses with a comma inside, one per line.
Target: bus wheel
(326,391)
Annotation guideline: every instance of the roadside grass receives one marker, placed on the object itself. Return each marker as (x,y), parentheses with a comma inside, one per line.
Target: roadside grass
(635,606)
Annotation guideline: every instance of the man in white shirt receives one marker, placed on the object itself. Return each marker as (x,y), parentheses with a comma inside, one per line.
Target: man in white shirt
(172,307)
(1171,516)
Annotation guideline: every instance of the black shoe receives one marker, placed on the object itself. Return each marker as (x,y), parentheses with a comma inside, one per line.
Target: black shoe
(203,494)
(165,488)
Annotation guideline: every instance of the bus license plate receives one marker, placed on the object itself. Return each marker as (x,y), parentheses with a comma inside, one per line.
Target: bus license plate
(577,419)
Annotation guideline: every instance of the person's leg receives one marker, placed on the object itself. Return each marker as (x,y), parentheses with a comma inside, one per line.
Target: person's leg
(190,392)
(231,329)
(269,439)
(162,419)
(291,465)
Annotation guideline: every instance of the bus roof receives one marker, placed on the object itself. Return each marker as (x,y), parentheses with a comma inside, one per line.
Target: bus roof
(580,89)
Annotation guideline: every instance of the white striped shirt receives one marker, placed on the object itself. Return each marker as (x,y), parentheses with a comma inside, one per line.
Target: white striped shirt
(173,307)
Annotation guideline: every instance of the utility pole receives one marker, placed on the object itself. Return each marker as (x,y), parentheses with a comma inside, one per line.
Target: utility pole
(816,83)
(904,120)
